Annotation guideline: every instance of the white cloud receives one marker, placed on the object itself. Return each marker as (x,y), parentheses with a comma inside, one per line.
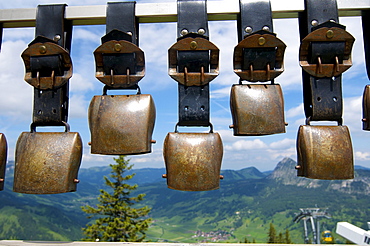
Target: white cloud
(363,156)
(353,113)
(246,145)
(78,106)
(296,111)
(15,94)
(285,143)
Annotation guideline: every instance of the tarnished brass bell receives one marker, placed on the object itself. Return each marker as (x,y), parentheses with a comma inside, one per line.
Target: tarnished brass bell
(47,162)
(325,152)
(257,109)
(121,124)
(3,156)
(193,161)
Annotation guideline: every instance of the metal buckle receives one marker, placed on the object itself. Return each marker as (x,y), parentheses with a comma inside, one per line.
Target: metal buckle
(119,80)
(193,78)
(325,152)
(47,170)
(326,34)
(366,109)
(257,41)
(193,160)
(47,49)
(3,156)
(121,124)
(257,109)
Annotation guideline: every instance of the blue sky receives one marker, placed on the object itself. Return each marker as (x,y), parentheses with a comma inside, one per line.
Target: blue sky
(263,152)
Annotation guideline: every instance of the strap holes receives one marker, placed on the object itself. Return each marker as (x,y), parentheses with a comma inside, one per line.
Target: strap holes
(186,108)
(54,111)
(335,99)
(319,99)
(39,112)
(202,108)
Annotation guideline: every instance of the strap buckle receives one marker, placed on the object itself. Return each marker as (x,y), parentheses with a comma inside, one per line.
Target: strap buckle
(46,75)
(120,50)
(246,56)
(189,78)
(323,36)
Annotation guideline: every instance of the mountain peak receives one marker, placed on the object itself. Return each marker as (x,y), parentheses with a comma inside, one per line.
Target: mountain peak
(284,169)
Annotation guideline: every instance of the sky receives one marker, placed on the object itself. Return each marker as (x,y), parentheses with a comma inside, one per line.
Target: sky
(262,152)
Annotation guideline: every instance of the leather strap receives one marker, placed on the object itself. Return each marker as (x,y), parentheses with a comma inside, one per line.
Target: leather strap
(254,16)
(366,37)
(51,106)
(121,17)
(322,96)
(121,24)
(194,104)
(192,17)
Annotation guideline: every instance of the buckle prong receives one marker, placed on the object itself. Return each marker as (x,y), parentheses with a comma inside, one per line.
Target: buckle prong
(128,75)
(186,76)
(202,77)
(111,77)
(319,64)
(336,67)
(268,72)
(251,68)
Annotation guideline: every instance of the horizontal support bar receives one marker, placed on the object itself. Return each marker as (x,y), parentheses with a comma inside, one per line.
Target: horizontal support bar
(167,12)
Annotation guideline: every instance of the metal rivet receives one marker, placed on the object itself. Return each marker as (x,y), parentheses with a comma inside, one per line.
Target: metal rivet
(117,47)
(42,49)
(76,181)
(201,31)
(329,34)
(57,37)
(266,28)
(261,41)
(153,141)
(1,180)
(314,22)
(164,176)
(184,32)
(297,167)
(193,45)
(129,33)
(248,29)
(332,20)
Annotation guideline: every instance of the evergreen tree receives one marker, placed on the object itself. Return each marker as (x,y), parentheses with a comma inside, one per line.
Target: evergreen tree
(287,239)
(272,234)
(118,220)
(280,238)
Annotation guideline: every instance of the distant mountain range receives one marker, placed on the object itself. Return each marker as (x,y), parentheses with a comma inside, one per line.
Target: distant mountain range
(244,206)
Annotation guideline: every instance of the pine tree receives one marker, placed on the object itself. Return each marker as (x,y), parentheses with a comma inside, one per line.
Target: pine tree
(280,238)
(287,239)
(272,234)
(118,220)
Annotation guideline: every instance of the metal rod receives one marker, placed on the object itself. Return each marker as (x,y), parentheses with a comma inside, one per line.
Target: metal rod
(167,12)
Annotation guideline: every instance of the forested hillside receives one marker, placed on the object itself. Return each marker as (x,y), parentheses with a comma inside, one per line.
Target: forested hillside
(245,205)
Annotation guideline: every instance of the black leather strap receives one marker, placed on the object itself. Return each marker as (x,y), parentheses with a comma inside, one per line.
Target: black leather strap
(366,36)
(254,16)
(51,106)
(192,17)
(121,17)
(193,100)
(121,24)
(194,105)
(322,96)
